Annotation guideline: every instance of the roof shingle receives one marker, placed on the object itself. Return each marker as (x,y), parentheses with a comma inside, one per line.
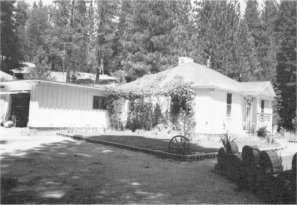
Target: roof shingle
(199,76)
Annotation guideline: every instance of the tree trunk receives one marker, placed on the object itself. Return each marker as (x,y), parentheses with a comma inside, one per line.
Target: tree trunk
(97,76)
(68,76)
(99,70)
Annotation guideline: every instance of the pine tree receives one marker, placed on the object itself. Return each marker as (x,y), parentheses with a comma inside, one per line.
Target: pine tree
(106,30)
(285,26)
(216,24)
(22,16)
(244,54)
(68,39)
(147,37)
(80,37)
(38,25)
(268,44)
(182,32)
(252,21)
(59,38)
(8,36)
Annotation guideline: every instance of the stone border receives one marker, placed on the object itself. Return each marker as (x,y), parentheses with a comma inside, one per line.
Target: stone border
(162,154)
(192,157)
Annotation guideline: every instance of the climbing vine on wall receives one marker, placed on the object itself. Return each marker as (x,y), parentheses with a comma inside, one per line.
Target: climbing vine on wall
(145,113)
(182,109)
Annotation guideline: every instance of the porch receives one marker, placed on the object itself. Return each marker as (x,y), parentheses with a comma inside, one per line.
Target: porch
(257,113)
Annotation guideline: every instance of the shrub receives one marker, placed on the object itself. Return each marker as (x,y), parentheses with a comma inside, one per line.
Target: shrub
(157,116)
(226,139)
(147,116)
(262,132)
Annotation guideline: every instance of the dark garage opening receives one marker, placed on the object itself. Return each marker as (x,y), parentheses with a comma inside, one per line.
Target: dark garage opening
(20,109)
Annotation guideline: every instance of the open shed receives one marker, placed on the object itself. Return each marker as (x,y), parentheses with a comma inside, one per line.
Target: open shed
(46,104)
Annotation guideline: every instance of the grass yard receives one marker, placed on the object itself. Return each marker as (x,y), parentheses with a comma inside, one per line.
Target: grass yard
(61,170)
(149,143)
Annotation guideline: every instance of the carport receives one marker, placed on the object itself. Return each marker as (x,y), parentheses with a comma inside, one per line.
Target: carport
(15,107)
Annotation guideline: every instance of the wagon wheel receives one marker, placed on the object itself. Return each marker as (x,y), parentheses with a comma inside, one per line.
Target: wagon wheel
(179,145)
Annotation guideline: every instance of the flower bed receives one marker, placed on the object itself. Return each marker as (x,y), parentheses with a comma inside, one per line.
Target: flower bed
(149,143)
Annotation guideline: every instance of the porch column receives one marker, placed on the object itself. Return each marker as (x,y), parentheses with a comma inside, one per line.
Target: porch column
(270,128)
(256,111)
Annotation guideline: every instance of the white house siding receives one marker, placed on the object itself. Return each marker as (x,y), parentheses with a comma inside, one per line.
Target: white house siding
(204,111)
(255,108)
(211,112)
(60,105)
(223,123)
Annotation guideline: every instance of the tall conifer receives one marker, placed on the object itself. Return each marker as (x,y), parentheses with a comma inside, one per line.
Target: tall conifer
(286,27)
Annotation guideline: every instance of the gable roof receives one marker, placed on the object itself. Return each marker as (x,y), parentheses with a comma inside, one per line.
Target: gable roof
(199,76)
(195,74)
(258,88)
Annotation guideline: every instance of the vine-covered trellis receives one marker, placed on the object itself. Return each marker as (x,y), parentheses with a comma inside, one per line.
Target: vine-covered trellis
(171,105)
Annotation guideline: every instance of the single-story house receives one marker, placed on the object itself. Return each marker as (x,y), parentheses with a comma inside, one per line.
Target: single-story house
(47,104)
(220,103)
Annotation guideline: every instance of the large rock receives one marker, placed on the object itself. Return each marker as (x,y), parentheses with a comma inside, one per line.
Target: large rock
(8,124)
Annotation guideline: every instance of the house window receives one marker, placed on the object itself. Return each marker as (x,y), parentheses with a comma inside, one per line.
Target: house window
(262,106)
(229,103)
(99,102)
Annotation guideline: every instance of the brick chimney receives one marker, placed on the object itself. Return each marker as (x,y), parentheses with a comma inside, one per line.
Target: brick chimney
(182,60)
(208,62)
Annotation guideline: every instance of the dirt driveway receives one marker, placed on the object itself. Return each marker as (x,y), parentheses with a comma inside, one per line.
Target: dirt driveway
(46,168)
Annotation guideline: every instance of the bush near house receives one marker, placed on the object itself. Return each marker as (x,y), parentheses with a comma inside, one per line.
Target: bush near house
(262,132)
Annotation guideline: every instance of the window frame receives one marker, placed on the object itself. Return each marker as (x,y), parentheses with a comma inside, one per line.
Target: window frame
(229,105)
(262,102)
(99,102)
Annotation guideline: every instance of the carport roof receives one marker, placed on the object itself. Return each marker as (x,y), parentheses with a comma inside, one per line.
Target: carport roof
(27,85)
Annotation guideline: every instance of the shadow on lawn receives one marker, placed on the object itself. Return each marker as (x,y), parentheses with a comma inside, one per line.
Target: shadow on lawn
(55,173)
(149,143)
(77,172)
